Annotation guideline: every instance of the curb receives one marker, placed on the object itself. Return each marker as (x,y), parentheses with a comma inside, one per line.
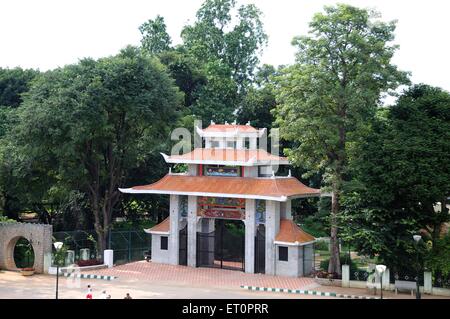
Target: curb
(307,292)
(89,276)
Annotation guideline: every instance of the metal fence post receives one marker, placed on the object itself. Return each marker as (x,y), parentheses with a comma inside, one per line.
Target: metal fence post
(129,245)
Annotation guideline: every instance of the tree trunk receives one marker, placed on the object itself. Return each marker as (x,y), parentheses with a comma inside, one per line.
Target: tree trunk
(334,265)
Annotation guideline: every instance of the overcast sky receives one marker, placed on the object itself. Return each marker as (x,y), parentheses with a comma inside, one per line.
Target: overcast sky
(45,34)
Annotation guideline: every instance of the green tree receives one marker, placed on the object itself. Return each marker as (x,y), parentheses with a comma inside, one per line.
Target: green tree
(235,40)
(401,168)
(259,100)
(342,68)
(14,82)
(91,123)
(155,38)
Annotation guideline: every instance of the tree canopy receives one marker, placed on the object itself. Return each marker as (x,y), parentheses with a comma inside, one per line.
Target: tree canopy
(89,124)
(401,169)
(332,91)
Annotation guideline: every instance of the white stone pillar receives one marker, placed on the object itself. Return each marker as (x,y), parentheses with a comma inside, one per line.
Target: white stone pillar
(70,258)
(253,143)
(192,231)
(272,228)
(289,209)
(345,276)
(427,282)
(85,254)
(108,257)
(250,233)
(385,279)
(174,241)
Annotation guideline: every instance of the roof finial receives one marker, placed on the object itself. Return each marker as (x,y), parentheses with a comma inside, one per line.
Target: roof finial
(234,122)
(226,122)
(212,122)
(248,123)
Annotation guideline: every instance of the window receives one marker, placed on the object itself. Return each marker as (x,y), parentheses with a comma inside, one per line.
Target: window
(164,242)
(231,144)
(282,253)
(215,144)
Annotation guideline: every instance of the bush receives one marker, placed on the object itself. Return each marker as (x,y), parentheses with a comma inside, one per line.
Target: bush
(344,258)
(321,245)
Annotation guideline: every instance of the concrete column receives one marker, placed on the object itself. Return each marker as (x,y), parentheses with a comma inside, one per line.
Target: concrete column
(70,258)
(345,276)
(47,262)
(250,233)
(108,257)
(207,225)
(253,143)
(192,231)
(240,143)
(288,213)
(427,284)
(174,241)
(85,254)
(385,279)
(272,228)
(193,169)
(207,142)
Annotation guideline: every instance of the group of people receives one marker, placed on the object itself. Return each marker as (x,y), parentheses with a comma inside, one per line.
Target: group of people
(103,295)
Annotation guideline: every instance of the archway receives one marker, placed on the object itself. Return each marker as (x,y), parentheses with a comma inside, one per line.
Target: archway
(39,237)
(23,253)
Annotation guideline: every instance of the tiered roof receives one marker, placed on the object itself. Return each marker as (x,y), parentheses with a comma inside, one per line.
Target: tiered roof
(271,188)
(239,157)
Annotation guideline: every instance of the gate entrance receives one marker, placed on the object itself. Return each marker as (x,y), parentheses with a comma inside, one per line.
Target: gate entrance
(182,257)
(260,249)
(224,247)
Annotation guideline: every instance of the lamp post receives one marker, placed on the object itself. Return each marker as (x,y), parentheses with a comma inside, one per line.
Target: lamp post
(58,245)
(417,239)
(380,270)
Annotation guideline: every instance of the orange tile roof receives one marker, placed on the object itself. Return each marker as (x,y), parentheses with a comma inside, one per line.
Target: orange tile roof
(163,226)
(231,155)
(291,233)
(230,127)
(237,187)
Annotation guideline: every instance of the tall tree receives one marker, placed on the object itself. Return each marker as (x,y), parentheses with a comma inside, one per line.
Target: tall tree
(234,40)
(402,171)
(259,100)
(155,38)
(93,122)
(342,68)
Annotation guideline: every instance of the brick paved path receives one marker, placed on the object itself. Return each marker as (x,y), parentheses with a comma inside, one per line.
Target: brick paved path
(153,272)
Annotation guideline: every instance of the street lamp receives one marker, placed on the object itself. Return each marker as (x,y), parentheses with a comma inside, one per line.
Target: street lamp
(58,245)
(417,239)
(380,270)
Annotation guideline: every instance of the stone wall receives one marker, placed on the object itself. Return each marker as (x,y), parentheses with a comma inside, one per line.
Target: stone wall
(40,237)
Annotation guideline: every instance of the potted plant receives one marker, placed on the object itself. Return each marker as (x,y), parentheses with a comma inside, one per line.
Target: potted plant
(28,271)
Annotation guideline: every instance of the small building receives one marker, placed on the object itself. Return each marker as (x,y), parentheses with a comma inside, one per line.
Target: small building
(230,210)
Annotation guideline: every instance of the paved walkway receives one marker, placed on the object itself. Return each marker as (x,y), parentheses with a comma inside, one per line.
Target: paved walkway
(201,277)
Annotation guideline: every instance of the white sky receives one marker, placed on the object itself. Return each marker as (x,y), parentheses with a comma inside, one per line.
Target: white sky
(45,34)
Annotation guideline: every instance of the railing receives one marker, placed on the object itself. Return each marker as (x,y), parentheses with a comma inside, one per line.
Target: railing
(128,245)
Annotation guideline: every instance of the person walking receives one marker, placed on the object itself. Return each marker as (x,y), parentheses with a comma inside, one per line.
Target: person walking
(128,296)
(89,292)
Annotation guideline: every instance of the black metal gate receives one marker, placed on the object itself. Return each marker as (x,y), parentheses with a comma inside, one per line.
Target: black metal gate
(224,247)
(260,249)
(183,247)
